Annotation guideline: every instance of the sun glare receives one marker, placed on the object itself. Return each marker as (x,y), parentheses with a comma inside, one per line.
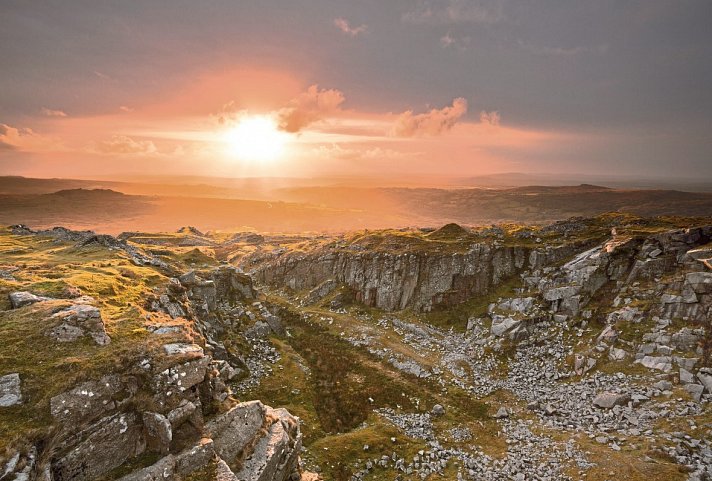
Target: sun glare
(256,138)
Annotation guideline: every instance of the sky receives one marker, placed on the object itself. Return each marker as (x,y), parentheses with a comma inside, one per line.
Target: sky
(355,87)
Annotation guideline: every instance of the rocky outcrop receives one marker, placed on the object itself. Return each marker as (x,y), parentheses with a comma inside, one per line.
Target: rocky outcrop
(252,441)
(87,237)
(394,281)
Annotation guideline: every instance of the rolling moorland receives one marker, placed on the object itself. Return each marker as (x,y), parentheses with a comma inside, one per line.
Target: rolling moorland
(571,350)
(287,205)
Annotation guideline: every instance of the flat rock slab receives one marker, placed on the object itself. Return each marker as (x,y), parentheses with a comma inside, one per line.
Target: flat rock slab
(10,393)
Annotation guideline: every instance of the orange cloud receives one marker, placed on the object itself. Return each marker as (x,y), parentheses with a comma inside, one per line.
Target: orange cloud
(123,144)
(434,122)
(311,106)
(490,118)
(343,25)
(52,113)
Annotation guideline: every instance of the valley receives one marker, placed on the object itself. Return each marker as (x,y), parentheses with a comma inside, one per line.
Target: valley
(574,350)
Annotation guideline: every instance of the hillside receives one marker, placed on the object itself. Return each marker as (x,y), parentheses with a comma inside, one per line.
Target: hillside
(579,349)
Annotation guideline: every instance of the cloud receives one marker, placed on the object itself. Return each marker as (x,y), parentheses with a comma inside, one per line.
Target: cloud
(13,138)
(343,25)
(52,113)
(460,43)
(448,12)
(490,118)
(434,122)
(122,144)
(311,106)
(125,108)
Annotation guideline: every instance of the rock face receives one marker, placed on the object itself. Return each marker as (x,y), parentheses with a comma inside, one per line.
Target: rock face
(10,393)
(100,417)
(394,281)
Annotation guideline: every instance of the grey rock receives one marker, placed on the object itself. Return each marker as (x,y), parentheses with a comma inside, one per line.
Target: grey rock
(705,380)
(607,400)
(10,390)
(695,391)
(235,429)
(23,298)
(100,448)
(79,320)
(89,400)
(158,432)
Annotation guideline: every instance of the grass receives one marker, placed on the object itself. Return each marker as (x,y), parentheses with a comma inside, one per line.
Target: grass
(46,367)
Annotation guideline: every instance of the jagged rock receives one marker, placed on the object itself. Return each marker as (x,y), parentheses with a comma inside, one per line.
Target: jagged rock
(685,339)
(233,430)
(23,298)
(98,449)
(159,433)
(395,280)
(502,413)
(77,321)
(686,377)
(91,399)
(616,354)
(705,380)
(275,455)
(320,291)
(558,293)
(181,414)
(224,473)
(700,282)
(259,330)
(515,329)
(517,304)
(10,390)
(181,377)
(607,400)
(660,363)
(695,391)
(176,466)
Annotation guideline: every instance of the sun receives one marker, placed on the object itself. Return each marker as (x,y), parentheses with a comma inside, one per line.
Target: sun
(256,138)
